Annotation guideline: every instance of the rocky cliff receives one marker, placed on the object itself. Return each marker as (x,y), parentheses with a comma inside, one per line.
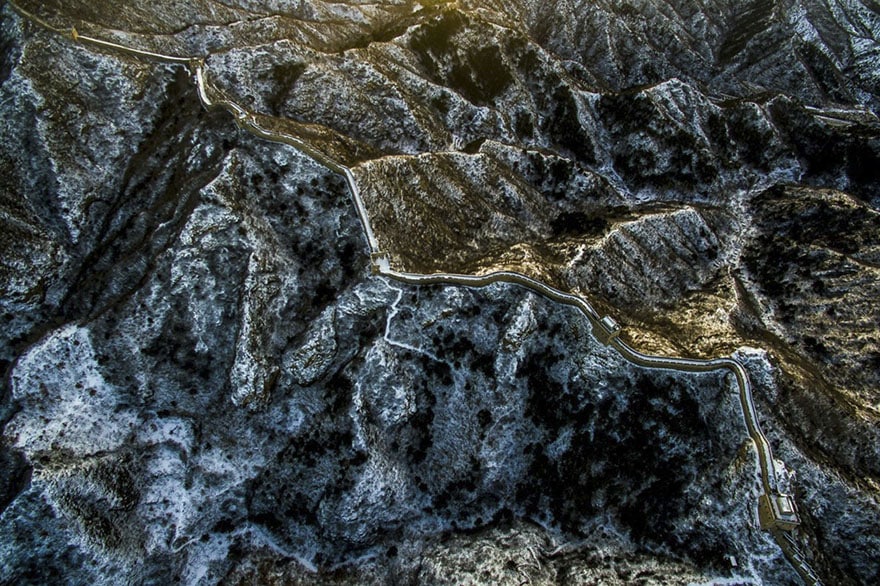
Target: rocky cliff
(204,383)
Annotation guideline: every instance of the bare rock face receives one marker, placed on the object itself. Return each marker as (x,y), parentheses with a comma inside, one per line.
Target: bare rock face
(204,383)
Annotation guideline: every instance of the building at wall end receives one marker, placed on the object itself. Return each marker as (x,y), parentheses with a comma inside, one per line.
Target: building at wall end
(778,511)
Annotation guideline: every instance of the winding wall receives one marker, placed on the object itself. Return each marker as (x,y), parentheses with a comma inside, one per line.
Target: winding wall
(777,511)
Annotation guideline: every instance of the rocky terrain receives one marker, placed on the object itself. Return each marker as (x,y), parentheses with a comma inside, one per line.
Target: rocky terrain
(203,383)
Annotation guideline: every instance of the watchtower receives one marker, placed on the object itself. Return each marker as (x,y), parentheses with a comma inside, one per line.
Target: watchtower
(606,330)
(777,511)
